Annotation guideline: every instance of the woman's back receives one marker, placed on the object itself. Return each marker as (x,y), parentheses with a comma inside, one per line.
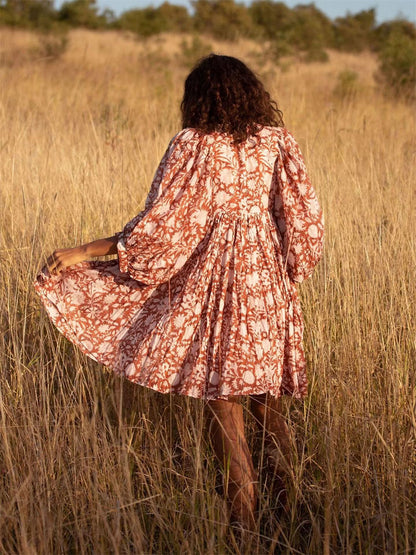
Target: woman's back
(241,175)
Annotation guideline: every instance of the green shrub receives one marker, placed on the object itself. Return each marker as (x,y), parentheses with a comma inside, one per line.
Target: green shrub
(52,46)
(398,64)
(347,85)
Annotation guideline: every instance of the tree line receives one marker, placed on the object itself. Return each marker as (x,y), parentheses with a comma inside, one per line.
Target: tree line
(303,30)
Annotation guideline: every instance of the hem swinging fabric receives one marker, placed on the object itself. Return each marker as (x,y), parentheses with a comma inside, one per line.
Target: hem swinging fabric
(202,300)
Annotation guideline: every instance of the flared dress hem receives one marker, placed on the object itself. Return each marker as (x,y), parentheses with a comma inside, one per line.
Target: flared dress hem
(63,325)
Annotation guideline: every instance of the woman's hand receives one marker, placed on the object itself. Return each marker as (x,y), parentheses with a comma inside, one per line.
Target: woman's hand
(62,258)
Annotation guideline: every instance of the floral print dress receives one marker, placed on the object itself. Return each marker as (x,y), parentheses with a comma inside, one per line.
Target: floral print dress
(202,300)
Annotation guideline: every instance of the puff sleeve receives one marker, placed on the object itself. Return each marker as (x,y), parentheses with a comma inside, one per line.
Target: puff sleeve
(155,244)
(297,212)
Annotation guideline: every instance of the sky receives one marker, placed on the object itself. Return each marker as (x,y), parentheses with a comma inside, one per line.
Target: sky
(385,9)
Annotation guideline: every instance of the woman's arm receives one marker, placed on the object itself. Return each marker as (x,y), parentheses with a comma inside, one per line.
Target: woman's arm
(61,258)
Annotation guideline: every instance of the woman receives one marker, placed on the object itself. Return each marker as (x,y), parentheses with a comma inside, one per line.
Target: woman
(202,299)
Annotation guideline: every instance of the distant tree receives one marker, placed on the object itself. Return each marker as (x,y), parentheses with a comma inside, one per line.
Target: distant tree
(312,29)
(274,19)
(383,32)
(222,19)
(145,22)
(151,21)
(27,13)
(397,57)
(176,17)
(305,28)
(81,13)
(353,33)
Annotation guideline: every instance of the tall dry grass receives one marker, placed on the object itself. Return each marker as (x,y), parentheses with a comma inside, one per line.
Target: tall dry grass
(89,464)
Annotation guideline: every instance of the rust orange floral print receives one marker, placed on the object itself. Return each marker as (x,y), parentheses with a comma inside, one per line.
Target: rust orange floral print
(202,300)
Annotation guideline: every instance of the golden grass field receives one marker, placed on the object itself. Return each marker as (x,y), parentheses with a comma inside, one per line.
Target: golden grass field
(92,464)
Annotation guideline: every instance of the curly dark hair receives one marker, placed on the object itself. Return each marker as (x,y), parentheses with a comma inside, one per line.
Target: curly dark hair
(223,94)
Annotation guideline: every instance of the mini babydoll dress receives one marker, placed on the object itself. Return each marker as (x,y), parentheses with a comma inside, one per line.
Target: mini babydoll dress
(202,300)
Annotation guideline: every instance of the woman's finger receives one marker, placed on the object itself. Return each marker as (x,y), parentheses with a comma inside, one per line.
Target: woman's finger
(60,266)
(53,257)
(60,259)
(52,263)
(50,267)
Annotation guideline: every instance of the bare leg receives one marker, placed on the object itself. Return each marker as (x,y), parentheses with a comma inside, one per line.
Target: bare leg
(226,430)
(267,412)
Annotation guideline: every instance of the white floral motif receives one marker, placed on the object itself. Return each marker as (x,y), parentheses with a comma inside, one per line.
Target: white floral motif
(313,231)
(248,377)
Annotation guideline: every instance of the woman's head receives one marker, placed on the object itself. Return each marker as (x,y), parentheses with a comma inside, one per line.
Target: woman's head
(223,94)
